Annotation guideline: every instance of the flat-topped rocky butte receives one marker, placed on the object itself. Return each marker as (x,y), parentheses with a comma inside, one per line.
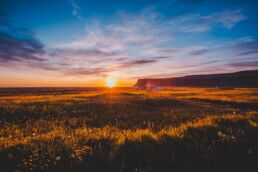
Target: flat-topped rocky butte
(242,79)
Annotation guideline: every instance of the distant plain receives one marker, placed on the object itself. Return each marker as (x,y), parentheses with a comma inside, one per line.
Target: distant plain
(124,129)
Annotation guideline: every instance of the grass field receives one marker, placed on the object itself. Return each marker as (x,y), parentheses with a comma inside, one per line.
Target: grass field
(127,130)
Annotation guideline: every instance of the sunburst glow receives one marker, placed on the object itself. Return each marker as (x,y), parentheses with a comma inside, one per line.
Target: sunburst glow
(110,82)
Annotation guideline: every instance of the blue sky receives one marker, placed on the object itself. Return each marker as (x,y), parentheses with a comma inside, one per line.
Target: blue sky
(83,43)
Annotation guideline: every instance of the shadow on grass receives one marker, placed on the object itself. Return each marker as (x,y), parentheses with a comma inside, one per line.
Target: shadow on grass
(232,145)
(238,105)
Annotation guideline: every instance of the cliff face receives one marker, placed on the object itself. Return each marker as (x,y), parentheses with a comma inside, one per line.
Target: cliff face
(238,79)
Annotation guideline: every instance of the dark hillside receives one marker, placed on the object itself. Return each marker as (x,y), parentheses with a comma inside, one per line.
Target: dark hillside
(241,79)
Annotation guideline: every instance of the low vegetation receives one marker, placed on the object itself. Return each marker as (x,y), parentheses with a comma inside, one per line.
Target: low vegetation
(90,129)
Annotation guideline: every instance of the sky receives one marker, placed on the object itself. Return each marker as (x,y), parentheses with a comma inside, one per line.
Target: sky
(87,42)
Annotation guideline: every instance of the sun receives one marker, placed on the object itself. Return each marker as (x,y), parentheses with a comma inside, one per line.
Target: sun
(110,82)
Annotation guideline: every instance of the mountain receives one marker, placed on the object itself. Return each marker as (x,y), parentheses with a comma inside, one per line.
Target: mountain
(237,79)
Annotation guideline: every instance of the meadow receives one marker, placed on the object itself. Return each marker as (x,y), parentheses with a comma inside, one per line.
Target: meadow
(128,130)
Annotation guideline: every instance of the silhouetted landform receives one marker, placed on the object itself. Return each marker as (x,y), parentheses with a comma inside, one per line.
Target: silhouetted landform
(241,79)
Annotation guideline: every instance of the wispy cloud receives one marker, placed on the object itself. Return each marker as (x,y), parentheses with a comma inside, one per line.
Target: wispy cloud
(76,11)
(140,41)
(132,46)
(244,64)
(199,52)
(87,72)
(246,47)
(203,23)
(134,63)
(148,30)
(227,18)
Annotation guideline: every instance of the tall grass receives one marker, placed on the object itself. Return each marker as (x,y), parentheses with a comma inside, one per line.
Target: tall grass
(130,131)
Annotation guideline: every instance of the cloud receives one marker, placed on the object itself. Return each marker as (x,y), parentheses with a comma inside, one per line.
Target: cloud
(133,63)
(198,23)
(244,64)
(105,70)
(248,52)
(146,36)
(209,62)
(145,32)
(148,30)
(87,72)
(81,52)
(130,46)
(198,52)
(20,49)
(76,11)
(227,18)
(128,32)
(18,44)
(246,48)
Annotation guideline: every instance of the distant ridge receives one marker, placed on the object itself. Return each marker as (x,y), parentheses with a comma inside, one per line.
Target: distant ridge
(240,79)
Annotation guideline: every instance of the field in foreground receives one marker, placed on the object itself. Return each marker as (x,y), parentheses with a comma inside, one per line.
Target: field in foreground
(97,129)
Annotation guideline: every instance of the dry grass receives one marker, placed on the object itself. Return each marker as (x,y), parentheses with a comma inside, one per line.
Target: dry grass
(118,129)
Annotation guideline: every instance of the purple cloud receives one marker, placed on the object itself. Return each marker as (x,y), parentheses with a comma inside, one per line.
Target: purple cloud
(245,48)
(18,44)
(198,52)
(91,72)
(244,64)
(133,63)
